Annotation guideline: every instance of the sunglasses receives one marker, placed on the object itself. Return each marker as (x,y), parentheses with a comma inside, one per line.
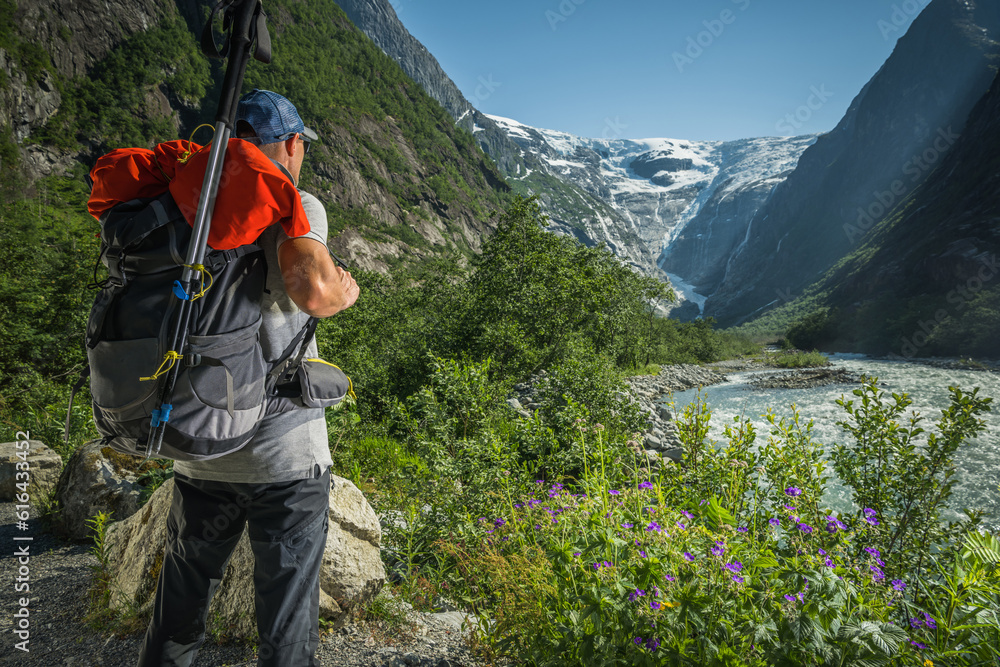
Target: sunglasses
(305,145)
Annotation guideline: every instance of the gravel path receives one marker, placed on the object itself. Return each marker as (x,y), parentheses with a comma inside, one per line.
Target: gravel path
(60,574)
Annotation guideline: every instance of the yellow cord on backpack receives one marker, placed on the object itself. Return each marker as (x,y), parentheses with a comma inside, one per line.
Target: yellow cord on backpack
(200,268)
(169,359)
(186,155)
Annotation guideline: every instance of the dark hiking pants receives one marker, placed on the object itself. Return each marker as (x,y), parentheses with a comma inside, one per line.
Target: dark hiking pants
(287,526)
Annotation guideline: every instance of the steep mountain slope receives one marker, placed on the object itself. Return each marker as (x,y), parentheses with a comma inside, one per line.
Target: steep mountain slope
(571,211)
(693,200)
(927,281)
(893,135)
(400,181)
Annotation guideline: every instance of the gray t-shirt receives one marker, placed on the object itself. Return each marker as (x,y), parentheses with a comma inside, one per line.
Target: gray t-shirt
(291,445)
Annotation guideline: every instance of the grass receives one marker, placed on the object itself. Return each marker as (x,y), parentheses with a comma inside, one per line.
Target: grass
(797,359)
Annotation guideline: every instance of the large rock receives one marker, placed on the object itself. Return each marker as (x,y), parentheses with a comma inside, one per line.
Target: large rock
(351,575)
(43,468)
(98,479)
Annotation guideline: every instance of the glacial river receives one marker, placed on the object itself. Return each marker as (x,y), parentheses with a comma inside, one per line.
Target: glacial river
(978,461)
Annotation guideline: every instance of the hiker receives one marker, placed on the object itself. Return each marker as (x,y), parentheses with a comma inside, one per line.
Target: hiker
(278,484)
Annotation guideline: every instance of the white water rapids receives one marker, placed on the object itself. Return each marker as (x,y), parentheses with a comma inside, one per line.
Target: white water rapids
(977,461)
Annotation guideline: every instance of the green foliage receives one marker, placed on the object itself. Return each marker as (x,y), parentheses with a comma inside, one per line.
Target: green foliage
(533,294)
(47,253)
(813,330)
(730,559)
(901,481)
(798,359)
(113,105)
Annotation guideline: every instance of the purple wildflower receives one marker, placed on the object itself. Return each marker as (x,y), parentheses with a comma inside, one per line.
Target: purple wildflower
(681,525)
(614,492)
(790,598)
(742,529)
(735,566)
(655,606)
(898,584)
(652,644)
(870,516)
(929,621)
(627,525)
(645,485)
(805,528)
(670,577)
(774,521)
(829,562)
(821,552)
(793,491)
(737,578)
(790,508)
(918,644)
(688,556)
(718,549)
(642,554)
(636,594)
(500,522)
(653,527)
(637,641)
(687,514)
(576,554)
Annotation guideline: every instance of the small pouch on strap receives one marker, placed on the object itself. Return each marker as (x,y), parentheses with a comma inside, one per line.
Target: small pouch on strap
(323,385)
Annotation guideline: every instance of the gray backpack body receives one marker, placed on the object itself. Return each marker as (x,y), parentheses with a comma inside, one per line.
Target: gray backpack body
(224,385)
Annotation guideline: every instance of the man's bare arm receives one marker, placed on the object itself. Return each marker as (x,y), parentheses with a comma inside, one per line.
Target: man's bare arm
(313,281)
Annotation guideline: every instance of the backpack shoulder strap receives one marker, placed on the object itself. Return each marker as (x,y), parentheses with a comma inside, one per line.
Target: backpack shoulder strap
(284,368)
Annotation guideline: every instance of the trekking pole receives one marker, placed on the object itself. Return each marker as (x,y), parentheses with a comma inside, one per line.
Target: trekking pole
(245,26)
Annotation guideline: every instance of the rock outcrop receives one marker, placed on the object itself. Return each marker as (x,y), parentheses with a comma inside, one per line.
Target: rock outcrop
(98,479)
(351,575)
(895,133)
(41,464)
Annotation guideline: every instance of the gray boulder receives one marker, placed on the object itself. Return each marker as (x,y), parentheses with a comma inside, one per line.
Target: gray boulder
(98,479)
(675,454)
(351,575)
(43,468)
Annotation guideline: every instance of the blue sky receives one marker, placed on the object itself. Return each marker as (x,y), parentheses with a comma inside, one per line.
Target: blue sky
(706,69)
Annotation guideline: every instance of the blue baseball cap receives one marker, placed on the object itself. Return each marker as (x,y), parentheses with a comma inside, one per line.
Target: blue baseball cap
(271,116)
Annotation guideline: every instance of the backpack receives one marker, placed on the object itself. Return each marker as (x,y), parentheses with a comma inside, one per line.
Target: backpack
(224,385)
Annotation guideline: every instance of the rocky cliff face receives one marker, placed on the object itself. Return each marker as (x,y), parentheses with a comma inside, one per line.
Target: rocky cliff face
(571,211)
(927,282)
(391,198)
(48,39)
(895,133)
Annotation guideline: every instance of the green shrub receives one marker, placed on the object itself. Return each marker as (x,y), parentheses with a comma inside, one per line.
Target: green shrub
(902,480)
(798,359)
(730,559)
